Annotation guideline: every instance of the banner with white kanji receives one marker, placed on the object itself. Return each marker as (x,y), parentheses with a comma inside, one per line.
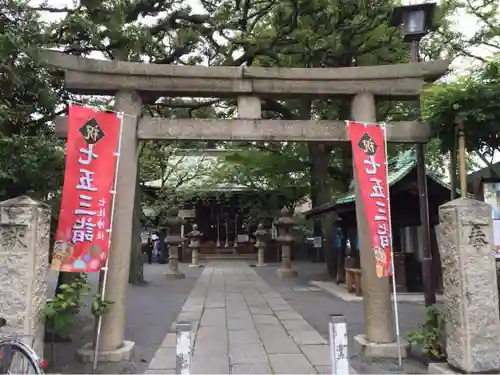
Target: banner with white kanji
(82,238)
(370,161)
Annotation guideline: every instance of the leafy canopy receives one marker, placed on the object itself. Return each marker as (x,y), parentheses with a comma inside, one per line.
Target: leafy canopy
(472,101)
(31,159)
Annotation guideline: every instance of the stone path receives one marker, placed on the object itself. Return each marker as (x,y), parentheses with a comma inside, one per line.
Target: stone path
(242,326)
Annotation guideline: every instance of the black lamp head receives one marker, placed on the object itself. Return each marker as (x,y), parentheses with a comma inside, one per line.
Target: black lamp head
(415,20)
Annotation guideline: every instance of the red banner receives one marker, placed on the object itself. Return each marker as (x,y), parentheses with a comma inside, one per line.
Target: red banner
(369,154)
(82,238)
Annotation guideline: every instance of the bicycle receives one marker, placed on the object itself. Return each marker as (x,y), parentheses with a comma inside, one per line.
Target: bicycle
(9,348)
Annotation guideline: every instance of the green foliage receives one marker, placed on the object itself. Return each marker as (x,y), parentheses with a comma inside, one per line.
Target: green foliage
(62,309)
(31,159)
(280,169)
(99,305)
(471,101)
(431,335)
(32,166)
(454,39)
(171,176)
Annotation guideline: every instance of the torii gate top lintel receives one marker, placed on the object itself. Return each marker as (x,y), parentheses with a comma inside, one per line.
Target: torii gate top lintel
(104,77)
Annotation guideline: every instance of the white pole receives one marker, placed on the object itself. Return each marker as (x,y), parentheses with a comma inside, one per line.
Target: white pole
(218,232)
(110,231)
(337,328)
(235,242)
(394,295)
(227,232)
(183,348)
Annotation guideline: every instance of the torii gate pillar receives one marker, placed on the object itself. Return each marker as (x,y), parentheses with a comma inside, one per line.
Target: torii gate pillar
(379,339)
(113,347)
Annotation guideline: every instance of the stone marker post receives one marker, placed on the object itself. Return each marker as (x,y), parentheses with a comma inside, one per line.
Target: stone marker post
(174,242)
(194,244)
(284,225)
(465,239)
(24,255)
(260,244)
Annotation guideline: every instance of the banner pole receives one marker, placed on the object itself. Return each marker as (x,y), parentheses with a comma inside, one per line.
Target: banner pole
(394,294)
(110,231)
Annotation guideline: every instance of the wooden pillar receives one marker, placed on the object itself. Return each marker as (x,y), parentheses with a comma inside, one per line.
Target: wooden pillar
(113,323)
(379,322)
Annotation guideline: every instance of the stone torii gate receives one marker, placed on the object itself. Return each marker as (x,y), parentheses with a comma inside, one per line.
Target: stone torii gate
(128,81)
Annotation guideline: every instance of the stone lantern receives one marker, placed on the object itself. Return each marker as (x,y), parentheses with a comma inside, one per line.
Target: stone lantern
(174,241)
(194,244)
(284,226)
(261,235)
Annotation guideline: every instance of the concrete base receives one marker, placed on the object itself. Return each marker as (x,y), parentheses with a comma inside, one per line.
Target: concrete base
(441,368)
(286,273)
(194,265)
(445,368)
(86,353)
(174,275)
(261,265)
(376,350)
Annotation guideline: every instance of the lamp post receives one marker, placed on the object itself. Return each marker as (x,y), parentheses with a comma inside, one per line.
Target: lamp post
(416,22)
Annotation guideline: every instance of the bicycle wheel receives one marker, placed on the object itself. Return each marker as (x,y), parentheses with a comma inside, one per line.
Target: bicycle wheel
(18,358)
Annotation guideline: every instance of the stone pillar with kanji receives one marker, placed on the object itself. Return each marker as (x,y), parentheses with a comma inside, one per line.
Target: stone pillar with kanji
(261,235)
(284,226)
(471,312)
(194,245)
(24,255)
(174,241)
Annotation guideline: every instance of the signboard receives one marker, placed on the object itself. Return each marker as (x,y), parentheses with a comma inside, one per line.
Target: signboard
(187,214)
(370,161)
(82,238)
(491,191)
(317,242)
(243,238)
(145,236)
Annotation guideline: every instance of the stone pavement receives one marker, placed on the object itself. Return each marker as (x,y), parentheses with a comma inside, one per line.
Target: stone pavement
(315,306)
(241,325)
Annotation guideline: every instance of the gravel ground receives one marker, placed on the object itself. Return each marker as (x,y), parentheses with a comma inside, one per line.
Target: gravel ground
(151,309)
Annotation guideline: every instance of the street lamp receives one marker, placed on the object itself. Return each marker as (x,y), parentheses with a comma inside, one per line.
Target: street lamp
(415,22)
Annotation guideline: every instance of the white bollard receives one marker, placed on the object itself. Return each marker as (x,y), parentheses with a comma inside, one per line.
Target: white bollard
(338,345)
(183,348)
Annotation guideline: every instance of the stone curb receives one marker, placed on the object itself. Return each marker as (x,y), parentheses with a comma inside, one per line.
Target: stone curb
(342,293)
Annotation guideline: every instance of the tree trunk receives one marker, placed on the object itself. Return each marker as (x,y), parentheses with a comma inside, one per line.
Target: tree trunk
(319,154)
(136,272)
